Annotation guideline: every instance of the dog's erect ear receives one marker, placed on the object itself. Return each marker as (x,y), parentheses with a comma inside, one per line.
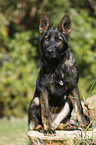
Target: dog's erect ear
(44,23)
(65,25)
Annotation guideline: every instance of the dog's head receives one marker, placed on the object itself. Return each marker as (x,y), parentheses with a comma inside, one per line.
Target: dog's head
(53,40)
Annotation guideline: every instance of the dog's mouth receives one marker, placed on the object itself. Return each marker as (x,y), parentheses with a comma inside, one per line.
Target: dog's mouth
(52,57)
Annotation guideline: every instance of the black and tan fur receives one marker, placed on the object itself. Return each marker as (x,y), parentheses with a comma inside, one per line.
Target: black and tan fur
(57,83)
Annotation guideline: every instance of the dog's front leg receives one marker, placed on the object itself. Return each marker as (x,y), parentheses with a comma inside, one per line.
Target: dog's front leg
(78,107)
(45,113)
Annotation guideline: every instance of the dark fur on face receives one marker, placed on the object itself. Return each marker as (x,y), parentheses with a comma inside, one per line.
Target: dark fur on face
(53,44)
(57,84)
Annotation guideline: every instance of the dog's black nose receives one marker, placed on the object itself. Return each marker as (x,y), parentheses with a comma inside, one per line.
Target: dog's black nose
(50,51)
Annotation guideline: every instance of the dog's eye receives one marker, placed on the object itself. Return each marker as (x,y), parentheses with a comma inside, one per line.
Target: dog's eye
(59,40)
(46,39)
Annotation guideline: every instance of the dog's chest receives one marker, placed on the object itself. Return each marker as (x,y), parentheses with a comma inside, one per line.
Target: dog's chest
(61,74)
(59,78)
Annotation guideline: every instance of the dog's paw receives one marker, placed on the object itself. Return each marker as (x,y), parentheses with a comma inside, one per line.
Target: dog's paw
(67,127)
(39,128)
(49,132)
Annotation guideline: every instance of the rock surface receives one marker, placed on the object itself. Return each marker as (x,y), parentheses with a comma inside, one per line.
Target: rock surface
(62,137)
(91,103)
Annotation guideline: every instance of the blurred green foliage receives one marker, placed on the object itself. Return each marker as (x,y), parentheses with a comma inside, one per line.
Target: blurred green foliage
(20,53)
(18,74)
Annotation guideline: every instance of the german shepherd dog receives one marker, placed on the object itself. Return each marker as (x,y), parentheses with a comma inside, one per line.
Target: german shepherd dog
(56,91)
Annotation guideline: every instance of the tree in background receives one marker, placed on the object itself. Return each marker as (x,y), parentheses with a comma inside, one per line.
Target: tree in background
(20,54)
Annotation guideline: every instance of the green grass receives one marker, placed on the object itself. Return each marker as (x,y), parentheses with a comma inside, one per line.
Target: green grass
(14,131)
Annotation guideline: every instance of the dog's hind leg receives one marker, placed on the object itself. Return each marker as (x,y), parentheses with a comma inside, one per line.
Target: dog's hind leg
(34,117)
(75,99)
